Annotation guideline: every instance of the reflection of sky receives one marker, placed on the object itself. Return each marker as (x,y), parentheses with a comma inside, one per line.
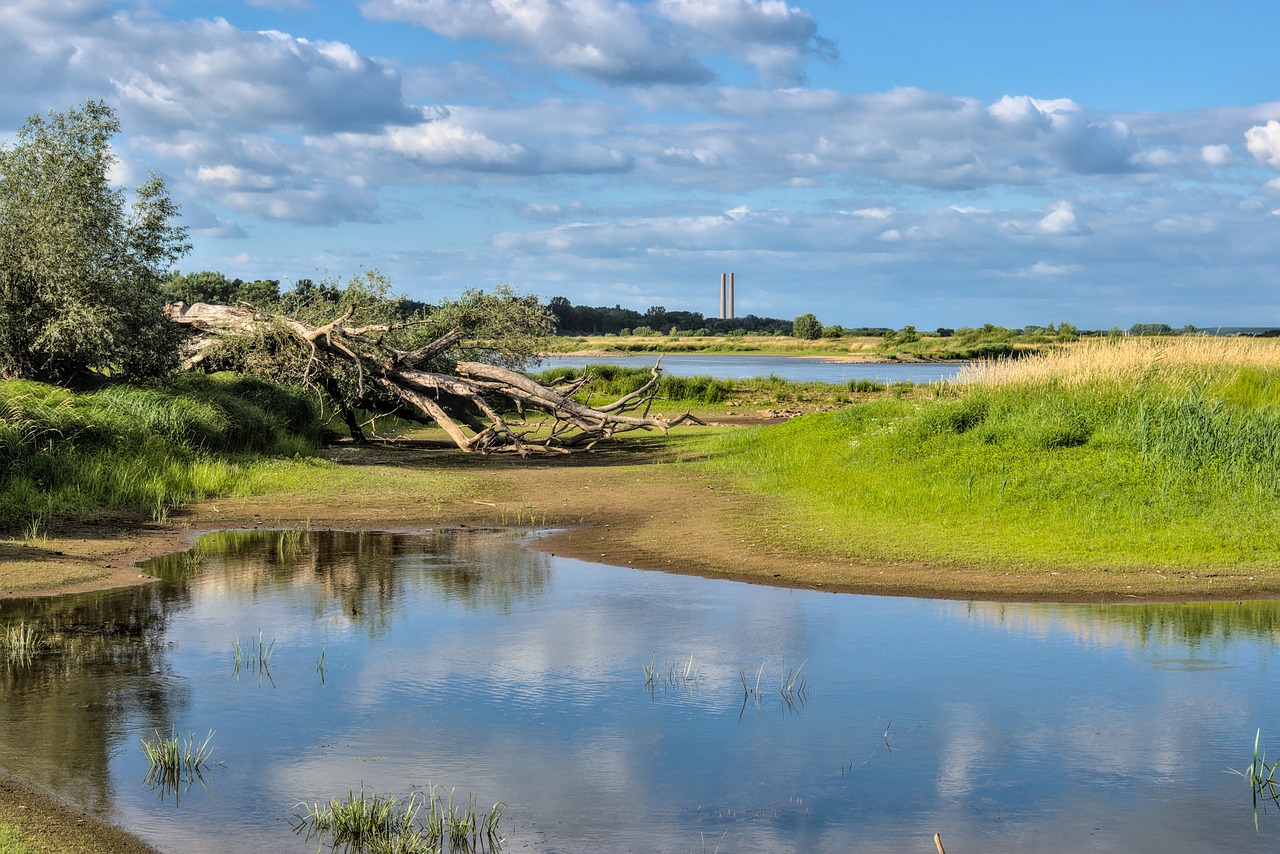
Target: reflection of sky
(1003,733)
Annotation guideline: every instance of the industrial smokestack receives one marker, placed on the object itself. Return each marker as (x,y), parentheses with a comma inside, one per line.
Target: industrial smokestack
(722,296)
(731,295)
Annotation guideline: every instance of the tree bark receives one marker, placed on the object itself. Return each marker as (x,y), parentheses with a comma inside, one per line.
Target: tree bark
(469,406)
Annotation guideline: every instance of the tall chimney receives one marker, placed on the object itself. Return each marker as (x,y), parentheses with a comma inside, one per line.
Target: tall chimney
(731,295)
(722,296)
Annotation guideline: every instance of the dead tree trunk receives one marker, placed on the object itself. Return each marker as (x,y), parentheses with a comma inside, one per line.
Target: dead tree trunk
(470,406)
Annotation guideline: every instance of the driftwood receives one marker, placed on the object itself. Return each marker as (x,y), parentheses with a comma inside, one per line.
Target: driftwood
(469,406)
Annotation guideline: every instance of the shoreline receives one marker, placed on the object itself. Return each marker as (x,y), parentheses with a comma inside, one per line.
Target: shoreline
(631,505)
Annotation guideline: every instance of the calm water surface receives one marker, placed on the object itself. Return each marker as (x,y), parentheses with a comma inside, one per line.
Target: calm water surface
(465,660)
(791,368)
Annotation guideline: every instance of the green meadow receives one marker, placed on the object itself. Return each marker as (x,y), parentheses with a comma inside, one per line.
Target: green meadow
(1140,452)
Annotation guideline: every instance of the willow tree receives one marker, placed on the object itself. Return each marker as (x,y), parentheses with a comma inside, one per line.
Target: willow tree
(81,268)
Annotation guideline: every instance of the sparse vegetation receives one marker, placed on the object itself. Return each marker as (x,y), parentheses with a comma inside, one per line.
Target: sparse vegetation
(384,823)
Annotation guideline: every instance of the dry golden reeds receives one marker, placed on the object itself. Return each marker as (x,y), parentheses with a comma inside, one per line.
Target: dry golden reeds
(1128,360)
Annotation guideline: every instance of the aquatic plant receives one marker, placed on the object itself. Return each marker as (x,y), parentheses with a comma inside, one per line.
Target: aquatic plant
(20,642)
(1263,778)
(420,823)
(258,657)
(674,675)
(793,688)
(175,762)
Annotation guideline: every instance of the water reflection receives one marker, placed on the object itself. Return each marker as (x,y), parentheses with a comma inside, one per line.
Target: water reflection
(611,708)
(1207,627)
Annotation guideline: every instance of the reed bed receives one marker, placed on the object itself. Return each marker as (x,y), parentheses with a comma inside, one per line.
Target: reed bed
(1178,361)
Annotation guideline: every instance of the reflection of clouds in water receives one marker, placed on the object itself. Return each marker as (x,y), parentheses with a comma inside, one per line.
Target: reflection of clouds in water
(963,753)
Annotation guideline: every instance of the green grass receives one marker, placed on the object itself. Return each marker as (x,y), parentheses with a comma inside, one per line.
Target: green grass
(20,642)
(384,823)
(11,841)
(1180,468)
(67,455)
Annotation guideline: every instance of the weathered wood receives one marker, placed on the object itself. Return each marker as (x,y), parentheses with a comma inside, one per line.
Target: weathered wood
(468,406)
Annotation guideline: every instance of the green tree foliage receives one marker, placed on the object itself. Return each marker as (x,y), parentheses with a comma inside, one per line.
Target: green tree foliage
(215,288)
(81,270)
(1151,329)
(806,326)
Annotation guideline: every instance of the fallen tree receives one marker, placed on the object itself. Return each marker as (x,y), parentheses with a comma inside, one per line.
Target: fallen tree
(471,405)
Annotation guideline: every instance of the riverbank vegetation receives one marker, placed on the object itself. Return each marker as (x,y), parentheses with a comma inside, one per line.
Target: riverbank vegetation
(76,456)
(1114,455)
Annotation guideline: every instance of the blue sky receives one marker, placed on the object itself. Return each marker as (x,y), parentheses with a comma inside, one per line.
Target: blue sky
(882,164)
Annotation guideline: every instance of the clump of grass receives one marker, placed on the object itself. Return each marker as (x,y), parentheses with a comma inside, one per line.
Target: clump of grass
(176,761)
(257,657)
(20,642)
(420,823)
(793,688)
(674,675)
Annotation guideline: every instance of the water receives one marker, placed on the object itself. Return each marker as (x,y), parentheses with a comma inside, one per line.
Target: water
(467,661)
(793,369)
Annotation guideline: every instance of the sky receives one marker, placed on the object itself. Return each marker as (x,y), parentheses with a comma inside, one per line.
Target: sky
(924,162)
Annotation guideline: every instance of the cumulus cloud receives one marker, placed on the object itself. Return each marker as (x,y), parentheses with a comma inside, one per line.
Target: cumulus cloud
(1263,142)
(1216,155)
(771,35)
(607,40)
(1061,221)
(616,42)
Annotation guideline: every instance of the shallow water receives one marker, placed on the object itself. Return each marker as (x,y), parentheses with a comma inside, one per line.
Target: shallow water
(465,660)
(791,368)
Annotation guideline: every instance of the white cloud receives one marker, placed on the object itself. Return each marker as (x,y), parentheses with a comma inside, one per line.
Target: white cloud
(1217,155)
(771,35)
(1061,220)
(606,40)
(1263,142)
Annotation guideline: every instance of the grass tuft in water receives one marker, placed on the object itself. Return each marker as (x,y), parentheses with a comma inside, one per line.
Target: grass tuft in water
(257,657)
(675,675)
(20,642)
(430,823)
(1262,777)
(175,762)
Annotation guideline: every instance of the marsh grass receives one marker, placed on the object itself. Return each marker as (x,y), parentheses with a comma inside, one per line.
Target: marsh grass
(176,762)
(424,822)
(793,688)
(1262,777)
(20,642)
(1138,453)
(256,657)
(674,675)
(74,455)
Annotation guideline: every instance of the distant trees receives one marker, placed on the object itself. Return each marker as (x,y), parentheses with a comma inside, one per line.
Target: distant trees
(602,320)
(1151,329)
(212,287)
(806,327)
(81,270)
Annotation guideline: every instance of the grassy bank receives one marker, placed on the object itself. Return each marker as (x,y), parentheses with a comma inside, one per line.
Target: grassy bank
(69,456)
(1136,453)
